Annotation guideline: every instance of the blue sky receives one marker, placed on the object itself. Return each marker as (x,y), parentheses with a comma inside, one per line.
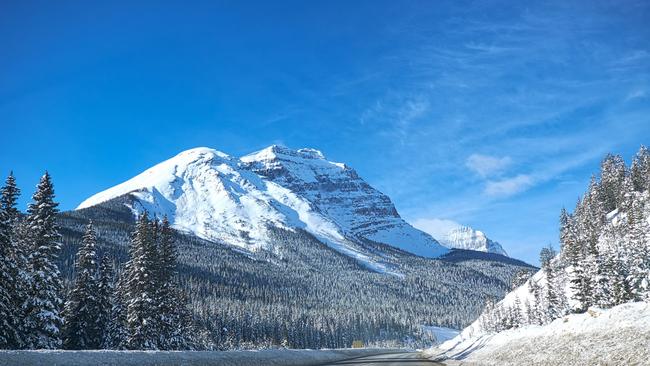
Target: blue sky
(492,114)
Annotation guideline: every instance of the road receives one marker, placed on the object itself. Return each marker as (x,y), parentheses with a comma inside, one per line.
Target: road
(394,359)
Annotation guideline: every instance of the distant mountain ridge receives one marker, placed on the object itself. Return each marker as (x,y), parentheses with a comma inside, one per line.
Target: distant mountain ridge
(467,238)
(235,200)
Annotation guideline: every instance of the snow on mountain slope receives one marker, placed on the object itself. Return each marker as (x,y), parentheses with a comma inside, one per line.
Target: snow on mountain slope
(339,193)
(465,237)
(203,191)
(617,336)
(219,197)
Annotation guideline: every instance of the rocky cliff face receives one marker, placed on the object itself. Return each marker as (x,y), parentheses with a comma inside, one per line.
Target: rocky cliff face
(338,192)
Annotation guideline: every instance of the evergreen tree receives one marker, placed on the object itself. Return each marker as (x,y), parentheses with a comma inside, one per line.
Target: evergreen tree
(82,311)
(574,250)
(640,170)
(537,313)
(42,307)
(142,317)
(11,258)
(637,239)
(104,298)
(117,335)
(554,308)
(612,175)
(174,319)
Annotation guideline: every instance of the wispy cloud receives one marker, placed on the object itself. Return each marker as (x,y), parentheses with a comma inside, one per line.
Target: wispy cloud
(636,94)
(508,187)
(435,227)
(485,165)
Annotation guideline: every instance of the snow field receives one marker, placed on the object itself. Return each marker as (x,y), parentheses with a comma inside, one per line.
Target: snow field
(617,336)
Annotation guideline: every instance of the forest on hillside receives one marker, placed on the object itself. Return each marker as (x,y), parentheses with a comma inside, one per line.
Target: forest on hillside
(604,259)
(81,279)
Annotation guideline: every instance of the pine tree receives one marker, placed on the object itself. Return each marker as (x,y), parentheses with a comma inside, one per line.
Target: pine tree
(574,250)
(173,314)
(640,170)
(104,298)
(42,307)
(81,330)
(117,334)
(487,317)
(11,258)
(142,317)
(554,292)
(639,256)
(537,313)
(612,174)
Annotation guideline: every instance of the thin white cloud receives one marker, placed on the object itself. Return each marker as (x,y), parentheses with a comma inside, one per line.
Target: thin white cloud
(508,187)
(485,165)
(435,227)
(637,93)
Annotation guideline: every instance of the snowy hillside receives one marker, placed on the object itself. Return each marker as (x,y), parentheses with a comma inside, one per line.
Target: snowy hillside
(219,197)
(603,261)
(465,237)
(617,336)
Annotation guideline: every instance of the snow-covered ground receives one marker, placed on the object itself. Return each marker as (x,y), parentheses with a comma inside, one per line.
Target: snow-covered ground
(617,336)
(278,357)
(440,334)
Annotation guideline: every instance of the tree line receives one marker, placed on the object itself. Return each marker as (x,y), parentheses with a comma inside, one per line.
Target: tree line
(604,259)
(137,306)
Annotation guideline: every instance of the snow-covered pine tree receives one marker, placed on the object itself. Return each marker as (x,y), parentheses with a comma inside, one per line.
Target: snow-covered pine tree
(42,307)
(81,311)
(576,253)
(487,318)
(640,170)
(516,313)
(612,175)
(174,318)
(11,274)
(104,298)
(554,292)
(603,288)
(538,307)
(142,317)
(637,239)
(116,336)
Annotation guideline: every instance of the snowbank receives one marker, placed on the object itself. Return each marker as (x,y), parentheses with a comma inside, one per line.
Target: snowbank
(163,358)
(617,336)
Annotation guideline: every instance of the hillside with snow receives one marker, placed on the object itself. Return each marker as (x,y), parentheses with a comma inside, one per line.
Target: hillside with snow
(603,264)
(616,336)
(236,200)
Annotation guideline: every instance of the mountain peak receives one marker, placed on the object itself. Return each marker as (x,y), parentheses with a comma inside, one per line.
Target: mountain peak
(279,152)
(202,151)
(465,237)
(235,200)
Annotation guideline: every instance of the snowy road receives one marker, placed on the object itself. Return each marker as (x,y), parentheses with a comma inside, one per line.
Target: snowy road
(394,359)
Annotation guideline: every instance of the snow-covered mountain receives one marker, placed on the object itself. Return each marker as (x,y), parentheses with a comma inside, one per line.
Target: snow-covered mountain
(465,237)
(233,200)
